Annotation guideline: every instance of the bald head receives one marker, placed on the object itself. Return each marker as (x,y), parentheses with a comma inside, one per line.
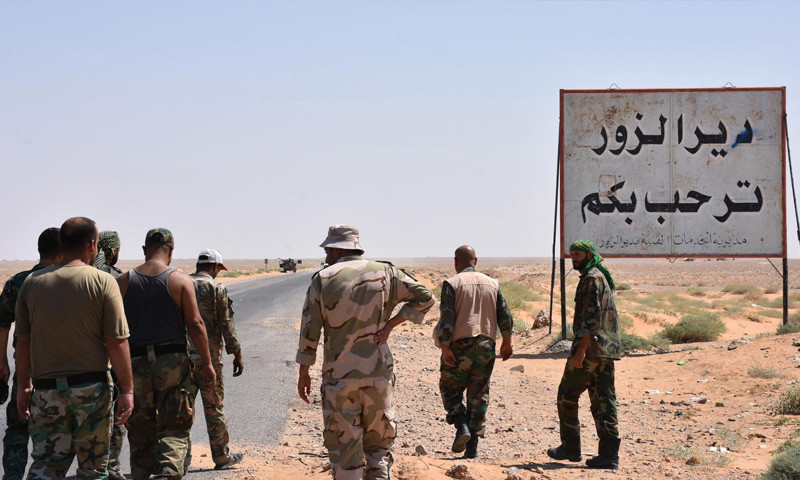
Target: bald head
(465,257)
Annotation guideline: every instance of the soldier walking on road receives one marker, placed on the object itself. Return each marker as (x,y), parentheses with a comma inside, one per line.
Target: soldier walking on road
(70,323)
(352,300)
(590,365)
(161,307)
(472,308)
(217,312)
(107,256)
(15,441)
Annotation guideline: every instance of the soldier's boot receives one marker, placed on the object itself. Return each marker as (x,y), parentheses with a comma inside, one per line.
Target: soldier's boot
(472,446)
(561,453)
(233,460)
(608,456)
(462,433)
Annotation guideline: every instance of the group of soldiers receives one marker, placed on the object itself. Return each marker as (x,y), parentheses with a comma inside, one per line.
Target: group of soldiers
(99,352)
(161,333)
(353,300)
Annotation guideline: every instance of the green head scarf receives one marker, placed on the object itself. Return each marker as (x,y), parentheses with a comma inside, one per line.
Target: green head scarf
(596,261)
(109,241)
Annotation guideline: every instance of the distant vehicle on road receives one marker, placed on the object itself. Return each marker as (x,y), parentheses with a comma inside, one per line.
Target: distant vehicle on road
(289,264)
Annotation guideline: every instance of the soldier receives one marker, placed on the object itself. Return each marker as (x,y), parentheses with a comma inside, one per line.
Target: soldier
(217,312)
(472,308)
(108,256)
(352,301)
(590,364)
(70,323)
(161,307)
(15,441)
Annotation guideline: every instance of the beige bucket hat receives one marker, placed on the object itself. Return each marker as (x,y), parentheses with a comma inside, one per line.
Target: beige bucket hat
(344,237)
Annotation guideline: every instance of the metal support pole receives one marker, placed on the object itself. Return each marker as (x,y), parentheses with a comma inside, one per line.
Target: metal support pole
(785,290)
(563,300)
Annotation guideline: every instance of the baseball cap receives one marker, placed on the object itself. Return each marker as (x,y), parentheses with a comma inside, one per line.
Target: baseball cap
(210,255)
(159,235)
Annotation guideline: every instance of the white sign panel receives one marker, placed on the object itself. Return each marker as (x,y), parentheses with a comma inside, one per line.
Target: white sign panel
(668,173)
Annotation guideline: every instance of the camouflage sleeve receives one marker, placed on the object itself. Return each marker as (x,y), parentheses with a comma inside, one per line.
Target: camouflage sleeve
(225,320)
(417,297)
(311,325)
(7,305)
(447,316)
(505,322)
(588,320)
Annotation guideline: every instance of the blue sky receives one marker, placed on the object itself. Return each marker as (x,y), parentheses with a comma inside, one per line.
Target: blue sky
(251,126)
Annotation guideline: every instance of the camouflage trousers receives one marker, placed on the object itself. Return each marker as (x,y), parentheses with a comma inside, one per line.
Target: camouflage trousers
(474,365)
(597,375)
(15,441)
(214,412)
(158,428)
(67,422)
(359,425)
(118,433)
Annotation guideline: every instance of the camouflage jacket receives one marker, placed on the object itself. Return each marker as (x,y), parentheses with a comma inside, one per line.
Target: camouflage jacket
(596,315)
(110,269)
(447,314)
(8,299)
(217,312)
(351,301)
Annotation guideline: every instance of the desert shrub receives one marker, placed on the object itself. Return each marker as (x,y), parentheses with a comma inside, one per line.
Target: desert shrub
(698,458)
(700,327)
(789,402)
(625,322)
(556,337)
(623,286)
(519,326)
(772,313)
(686,305)
(732,439)
(757,371)
(785,466)
(658,340)
(791,327)
(730,307)
(770,290)
(740,289)
(696,291)
(516,294)
(231,273)
(634,342)
(777,302)
(755,317)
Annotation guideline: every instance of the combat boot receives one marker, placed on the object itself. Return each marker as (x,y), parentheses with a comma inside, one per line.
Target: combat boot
(472,447)
(462,433)
(608,456)
(561,453)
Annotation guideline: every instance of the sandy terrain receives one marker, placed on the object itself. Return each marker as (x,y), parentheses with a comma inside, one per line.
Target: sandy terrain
(660,430)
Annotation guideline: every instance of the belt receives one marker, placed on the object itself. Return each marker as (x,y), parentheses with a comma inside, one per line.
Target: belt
(79,380)
(159,349)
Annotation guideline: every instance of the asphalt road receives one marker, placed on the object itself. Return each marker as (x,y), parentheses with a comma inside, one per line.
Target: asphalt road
(256,403)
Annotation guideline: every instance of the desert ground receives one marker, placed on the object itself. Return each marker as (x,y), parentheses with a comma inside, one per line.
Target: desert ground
(691,411)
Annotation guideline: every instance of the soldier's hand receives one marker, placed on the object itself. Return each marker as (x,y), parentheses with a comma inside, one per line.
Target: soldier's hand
(23,401)
(448,357)
(5,371)
(238,364)
(124,408)
(304,386)
(209,378)
(577,360)
(506,350)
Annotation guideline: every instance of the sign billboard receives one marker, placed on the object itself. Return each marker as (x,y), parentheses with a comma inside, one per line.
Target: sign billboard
(674,173)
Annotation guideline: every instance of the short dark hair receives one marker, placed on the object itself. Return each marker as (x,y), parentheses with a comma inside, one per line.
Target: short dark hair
(77,233)
(50,243)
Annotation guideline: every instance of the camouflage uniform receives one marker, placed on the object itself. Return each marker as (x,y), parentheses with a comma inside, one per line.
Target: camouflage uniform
(217,312)
(158,445)
(595,315)
(474,362)
(351,301)
(56,437)
(107,243)
(15,441)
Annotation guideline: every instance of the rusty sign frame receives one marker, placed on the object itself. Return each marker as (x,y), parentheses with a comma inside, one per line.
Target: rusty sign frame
(619,92)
